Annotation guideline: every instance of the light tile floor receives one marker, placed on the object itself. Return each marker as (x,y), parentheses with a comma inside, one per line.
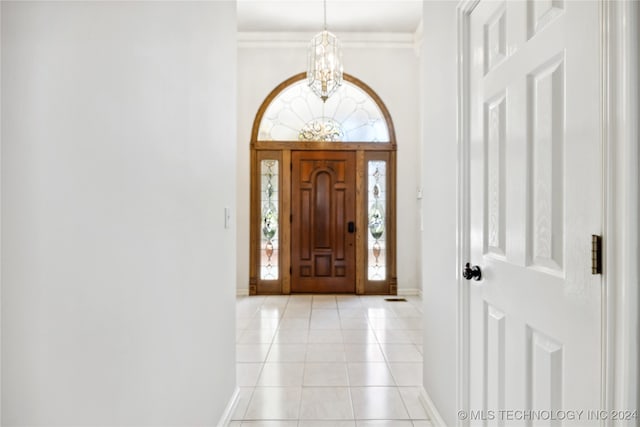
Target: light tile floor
(329,360)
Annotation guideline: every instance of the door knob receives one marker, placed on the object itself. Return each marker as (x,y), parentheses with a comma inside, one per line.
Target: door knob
(471,272)
(351,227)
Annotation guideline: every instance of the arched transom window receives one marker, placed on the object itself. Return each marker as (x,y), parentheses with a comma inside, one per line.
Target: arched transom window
(349,115)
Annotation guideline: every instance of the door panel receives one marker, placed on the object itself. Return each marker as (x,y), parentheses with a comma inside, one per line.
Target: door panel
(535,200)
(323,204)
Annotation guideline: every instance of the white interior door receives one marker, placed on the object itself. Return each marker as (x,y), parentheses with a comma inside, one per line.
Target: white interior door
(535,200)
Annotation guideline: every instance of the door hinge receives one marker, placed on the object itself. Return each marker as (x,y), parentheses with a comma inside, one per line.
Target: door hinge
(290,217)
(291,166)
(596,254)
(290,270)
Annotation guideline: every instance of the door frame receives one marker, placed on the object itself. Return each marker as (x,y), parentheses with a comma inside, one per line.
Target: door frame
(619,111)
(281,151)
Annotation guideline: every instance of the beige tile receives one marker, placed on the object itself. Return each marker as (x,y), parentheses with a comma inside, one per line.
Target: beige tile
(251,352)
(324,313)
(352,313)
(384,423)
(401,353)
(380,312)
(363,353)
(259,322)
(332,423)
(359,336)
(326,403)
(278,423)
(247,374)
(325,336)
(411,323)
(291,336)
(354,323)
(369,374)
(287,353)
(324,323)
(325,374)
(411,398)
(273,311)
(294,323)
(274,403)
(325,353)
(281,375)
(422,423)
(378,403)
(244,396)
(388,336)
(406,374)
(254,336)
(386,323)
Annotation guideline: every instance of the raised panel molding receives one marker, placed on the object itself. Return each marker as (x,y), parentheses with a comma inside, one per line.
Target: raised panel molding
(544,372)
(495,39)
(495,117)
(540,13)
(545,138)
(494,358)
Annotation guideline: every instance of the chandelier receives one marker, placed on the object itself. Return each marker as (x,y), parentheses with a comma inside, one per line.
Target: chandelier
(324,71)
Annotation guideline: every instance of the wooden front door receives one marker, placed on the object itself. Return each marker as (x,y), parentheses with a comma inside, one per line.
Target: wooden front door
(323,221)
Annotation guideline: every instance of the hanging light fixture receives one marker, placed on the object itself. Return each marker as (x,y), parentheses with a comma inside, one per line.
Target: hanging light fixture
(324,72)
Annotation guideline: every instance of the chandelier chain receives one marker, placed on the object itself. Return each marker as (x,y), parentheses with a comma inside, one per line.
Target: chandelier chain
(325,15)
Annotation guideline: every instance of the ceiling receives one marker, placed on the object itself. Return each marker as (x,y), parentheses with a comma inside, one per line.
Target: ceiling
(358,16)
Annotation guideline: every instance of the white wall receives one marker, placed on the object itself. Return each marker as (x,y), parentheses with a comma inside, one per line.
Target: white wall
(393,73)
(118,154)
(439,205)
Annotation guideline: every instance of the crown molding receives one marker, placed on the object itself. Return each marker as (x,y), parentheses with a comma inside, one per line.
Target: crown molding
(349,40)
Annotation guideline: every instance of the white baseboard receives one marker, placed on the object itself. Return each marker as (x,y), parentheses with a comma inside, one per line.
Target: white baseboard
(242,292)
(410,292)
(432,411)
(231,407)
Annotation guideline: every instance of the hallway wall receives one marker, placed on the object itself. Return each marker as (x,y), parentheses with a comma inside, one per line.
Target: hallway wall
(117,161)
(391,71)
(439,79)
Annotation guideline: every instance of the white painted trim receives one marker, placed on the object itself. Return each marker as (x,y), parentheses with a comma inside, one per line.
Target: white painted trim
(242,292)
(349,40)
(225,419)
(432,412)
(411,292)
(1,258)
(620,376)
(418,38)
(620,111)
(465,7)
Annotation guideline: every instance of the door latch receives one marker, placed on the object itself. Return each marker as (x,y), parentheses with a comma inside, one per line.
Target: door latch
(596,254)
(351,227)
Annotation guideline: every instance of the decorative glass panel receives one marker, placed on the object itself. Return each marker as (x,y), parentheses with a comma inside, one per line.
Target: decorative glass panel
(269,248)
(348,115)
(377,220)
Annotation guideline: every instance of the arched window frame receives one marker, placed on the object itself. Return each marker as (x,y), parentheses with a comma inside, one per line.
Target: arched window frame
(280,151)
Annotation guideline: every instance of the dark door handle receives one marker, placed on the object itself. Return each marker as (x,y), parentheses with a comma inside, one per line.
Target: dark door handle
(471,272)
(351,227)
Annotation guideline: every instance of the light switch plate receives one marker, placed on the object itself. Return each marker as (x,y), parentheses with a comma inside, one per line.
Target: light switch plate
(227,217)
